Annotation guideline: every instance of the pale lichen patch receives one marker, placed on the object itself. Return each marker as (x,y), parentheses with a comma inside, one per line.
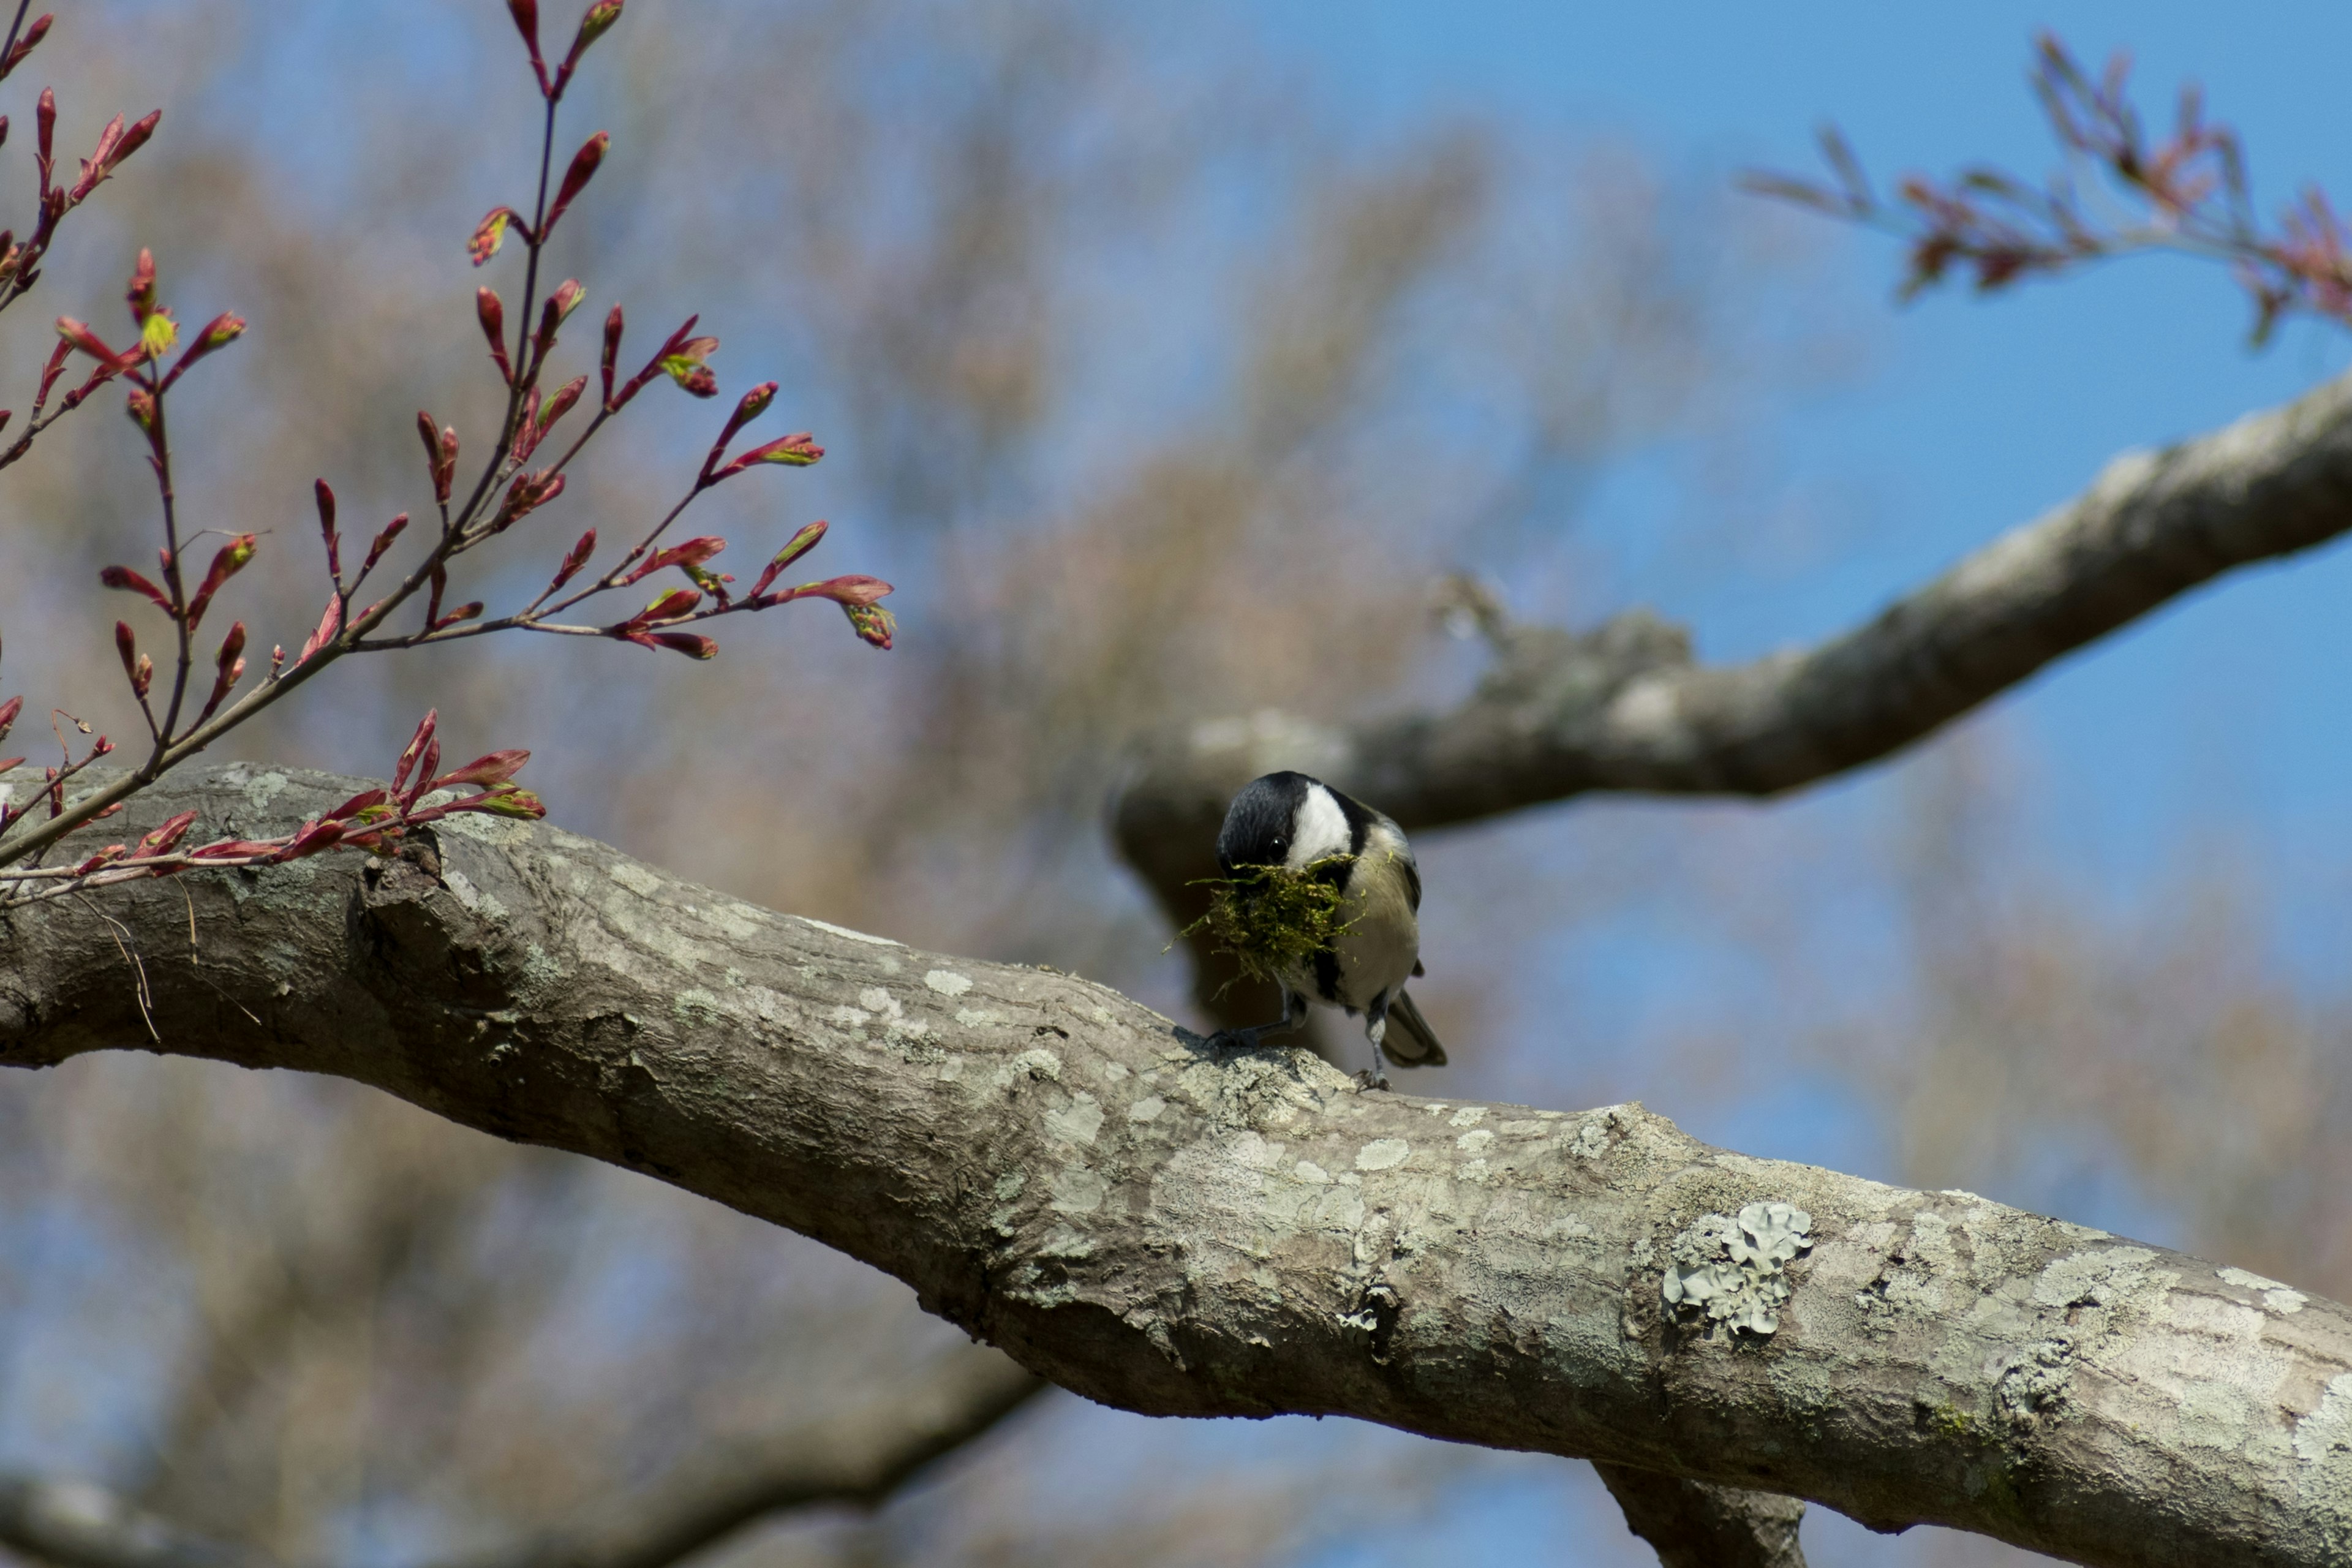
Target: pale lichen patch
(1077,1122)
(2324,1436)
(1148,1109)
(634,878)
(977,1017)
(1039,1063)
(1077,1190)
(1469,1116)
(1732,1275)
(947,982)
(1382,1153)
(1308,1171)
(1474,1143)
(2278,1297)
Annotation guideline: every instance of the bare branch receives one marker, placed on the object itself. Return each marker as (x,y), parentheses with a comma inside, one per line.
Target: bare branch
(1694,1525)
(1626,707)
(859,1463)
(1066,1174)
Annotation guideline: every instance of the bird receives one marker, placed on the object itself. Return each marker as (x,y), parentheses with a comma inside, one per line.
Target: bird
(1295,822)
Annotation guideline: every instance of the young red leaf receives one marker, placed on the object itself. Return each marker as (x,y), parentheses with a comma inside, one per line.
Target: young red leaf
(166,834)
(123,577)
(314,836)
(78,334)
(693,553)
(465,611)
(416,748)
(797,450)
(669,607)
(331,622)
(800,544)
(8,712)
(491,233)
(494,769)
(687,643)
(126,647)
(851,590)
(358,803)
(428,766)
(226,563)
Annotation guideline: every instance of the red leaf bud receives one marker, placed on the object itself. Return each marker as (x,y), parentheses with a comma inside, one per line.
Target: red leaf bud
(416,747)
(334,540)
(123,577)
(687,643)
(493,318)
(574,560)
(34,35)
(384,541)
(612,353)
(226,563)
(669,607)
(217,333)
(561,403)
(141,296)
(576,177)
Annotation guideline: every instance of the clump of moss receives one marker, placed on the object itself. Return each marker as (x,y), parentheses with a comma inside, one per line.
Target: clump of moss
(1274,921)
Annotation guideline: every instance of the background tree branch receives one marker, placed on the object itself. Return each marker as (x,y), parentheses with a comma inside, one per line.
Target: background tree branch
(1624,707)
(859,1463)
(1064,1173)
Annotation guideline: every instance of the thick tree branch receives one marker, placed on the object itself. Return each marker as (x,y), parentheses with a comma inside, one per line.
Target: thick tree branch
(1066,1174)
(1692,1524)
(858,1462)
(1625,708)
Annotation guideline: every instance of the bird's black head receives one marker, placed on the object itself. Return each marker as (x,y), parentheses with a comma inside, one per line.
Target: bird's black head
(1260,822)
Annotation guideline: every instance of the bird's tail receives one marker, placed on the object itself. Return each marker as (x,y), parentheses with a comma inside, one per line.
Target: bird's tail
(1409,1041)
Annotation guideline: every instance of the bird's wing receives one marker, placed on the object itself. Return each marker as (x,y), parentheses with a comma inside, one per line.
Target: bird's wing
(1410,1042)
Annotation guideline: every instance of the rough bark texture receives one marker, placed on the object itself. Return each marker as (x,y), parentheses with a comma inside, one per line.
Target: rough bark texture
(1691,1524)
(1625,707)
(1069,1176)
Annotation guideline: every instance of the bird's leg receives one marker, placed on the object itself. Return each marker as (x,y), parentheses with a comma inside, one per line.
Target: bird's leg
(1376,1028)
(1294,1014)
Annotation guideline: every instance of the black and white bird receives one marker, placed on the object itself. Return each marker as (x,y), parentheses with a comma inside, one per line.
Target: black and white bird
(1296,822)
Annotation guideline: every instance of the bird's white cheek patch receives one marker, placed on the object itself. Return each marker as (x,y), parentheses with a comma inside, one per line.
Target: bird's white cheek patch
(1322,830)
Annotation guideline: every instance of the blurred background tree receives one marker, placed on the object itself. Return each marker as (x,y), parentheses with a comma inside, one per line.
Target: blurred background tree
(1167,381)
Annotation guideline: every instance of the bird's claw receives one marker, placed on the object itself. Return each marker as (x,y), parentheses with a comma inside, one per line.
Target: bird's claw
(1225,1040)
(1367,1078)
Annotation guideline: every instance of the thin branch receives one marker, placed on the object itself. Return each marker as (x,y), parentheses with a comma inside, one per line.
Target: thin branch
(861,1462)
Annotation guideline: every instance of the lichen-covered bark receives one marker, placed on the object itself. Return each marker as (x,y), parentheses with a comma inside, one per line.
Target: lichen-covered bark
(1069,1176)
